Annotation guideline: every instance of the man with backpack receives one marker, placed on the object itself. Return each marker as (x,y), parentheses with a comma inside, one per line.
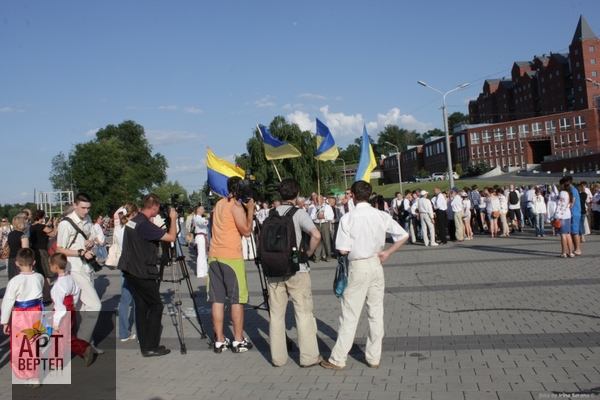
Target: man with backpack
(283,280)
(514,208)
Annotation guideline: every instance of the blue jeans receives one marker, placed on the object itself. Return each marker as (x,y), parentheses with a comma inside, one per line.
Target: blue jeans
(539,223)
(126,319)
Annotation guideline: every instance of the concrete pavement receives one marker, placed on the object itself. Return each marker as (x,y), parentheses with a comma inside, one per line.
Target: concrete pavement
(502,318)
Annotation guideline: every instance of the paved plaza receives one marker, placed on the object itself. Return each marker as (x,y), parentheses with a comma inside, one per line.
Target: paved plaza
(502,318)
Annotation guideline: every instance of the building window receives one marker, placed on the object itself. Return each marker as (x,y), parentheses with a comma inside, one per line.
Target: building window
(491,163)
(490,149)
(509,148)
(523,130)
(496,148)
(498,135)
(486,137)
(474,137)
(511,132)
(522,160)
(557,73)
(485,151)
(555,141)
(570,139)
(576,139)
(562,140)
(579,122)
(536,128)
(591,49)
(503,162)
(565,124)
(516,160)
(478,152)
(594,73)
(550,127)
(584,138)
(472,152)
(502,148)
(592,61)
(516,147)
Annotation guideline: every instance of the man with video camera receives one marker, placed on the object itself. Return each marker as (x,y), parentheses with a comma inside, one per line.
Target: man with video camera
(232,219)
(139,263)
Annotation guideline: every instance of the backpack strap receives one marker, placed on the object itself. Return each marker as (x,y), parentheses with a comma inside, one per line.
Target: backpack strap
(77,229)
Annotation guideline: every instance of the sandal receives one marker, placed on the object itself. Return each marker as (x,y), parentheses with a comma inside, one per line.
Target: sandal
(572,255)
(563,256)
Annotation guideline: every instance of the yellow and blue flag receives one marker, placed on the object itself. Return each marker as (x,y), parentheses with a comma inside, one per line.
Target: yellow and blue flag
(326,148)
(219,171)
(275,149)
(367,162)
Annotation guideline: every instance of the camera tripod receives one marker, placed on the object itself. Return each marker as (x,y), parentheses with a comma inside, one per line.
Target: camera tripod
(172,257)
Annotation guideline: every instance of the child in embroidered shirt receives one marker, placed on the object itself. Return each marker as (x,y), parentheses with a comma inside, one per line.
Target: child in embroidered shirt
(23,293)
(65,294)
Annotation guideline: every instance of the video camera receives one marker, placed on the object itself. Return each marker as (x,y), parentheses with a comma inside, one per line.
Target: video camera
(247,188)
(164,208)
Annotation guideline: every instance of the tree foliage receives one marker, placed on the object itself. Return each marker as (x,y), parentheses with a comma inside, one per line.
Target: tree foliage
(303,168)
(116,167)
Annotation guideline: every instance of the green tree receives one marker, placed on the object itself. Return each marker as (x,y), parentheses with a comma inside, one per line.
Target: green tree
(395,135)
(165,190)
(116,167)
(303,168)
(457,118)
(458,169)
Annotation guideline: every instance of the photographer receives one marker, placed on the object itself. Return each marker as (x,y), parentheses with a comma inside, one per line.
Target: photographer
(75,239)
(232,219)
(139,263)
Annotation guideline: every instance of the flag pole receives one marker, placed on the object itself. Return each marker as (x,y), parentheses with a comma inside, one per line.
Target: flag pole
(273,161)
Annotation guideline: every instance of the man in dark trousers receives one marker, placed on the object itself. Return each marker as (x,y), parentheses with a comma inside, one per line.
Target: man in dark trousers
(139,263)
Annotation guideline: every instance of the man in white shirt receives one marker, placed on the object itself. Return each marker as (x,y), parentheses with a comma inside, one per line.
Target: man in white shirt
(396,201)
(201,240)
(457,209)
(322,215)
(426,215)
(78,249)
(361,236)
(440,205)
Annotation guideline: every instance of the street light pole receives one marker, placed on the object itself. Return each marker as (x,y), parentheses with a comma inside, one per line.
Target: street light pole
(345,179)
(399,169)
(447,132)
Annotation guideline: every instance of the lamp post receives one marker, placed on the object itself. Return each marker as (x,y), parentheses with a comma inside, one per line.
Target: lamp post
(447,132)
(399,169)
(345,181)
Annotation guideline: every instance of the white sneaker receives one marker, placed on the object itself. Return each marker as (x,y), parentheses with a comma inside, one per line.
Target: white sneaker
(434,244)
(97,350)
(130,337)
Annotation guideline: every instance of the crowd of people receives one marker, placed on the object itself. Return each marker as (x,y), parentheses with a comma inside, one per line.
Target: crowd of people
(355,225)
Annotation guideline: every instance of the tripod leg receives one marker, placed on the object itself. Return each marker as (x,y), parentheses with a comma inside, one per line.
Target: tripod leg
(177,302)
(186,275)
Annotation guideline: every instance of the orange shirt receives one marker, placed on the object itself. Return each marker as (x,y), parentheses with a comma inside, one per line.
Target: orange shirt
(226,240)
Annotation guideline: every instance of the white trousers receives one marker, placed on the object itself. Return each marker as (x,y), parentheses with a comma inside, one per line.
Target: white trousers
(427,223)
(366,283)
(201,260)
(89,304)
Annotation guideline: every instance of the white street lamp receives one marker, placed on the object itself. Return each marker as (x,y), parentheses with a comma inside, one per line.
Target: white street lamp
(447,132)
(399,169)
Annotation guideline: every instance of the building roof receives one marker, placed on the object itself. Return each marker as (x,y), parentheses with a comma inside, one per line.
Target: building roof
(582,32)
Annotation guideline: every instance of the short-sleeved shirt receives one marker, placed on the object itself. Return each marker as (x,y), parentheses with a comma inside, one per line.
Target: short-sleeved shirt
(362,232)
(66,233)
(576,209)
(302,223)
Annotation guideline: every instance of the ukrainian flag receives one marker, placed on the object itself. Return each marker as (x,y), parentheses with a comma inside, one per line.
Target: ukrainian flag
(326,148)
(275,149)
(367,161)
(219,171)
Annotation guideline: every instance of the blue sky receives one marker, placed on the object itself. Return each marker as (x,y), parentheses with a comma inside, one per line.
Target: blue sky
(204,73)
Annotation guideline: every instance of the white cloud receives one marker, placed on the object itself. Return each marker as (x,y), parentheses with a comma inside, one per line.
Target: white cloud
(313,96)
(394,117)
(341,124)
(264,102)
(92,132)
(184,169)
(159,137)
(289,106)
(302,119)
(168,108)
(8,110)
(193,110)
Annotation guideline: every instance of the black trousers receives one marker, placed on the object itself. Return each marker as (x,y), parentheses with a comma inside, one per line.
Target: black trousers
(440,224)
(148,310)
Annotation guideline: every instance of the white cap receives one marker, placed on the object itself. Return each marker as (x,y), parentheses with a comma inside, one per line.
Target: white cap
(424,192)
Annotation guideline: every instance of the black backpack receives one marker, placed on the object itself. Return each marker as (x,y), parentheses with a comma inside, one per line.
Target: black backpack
(277,237)
(402,212)
(513,197)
